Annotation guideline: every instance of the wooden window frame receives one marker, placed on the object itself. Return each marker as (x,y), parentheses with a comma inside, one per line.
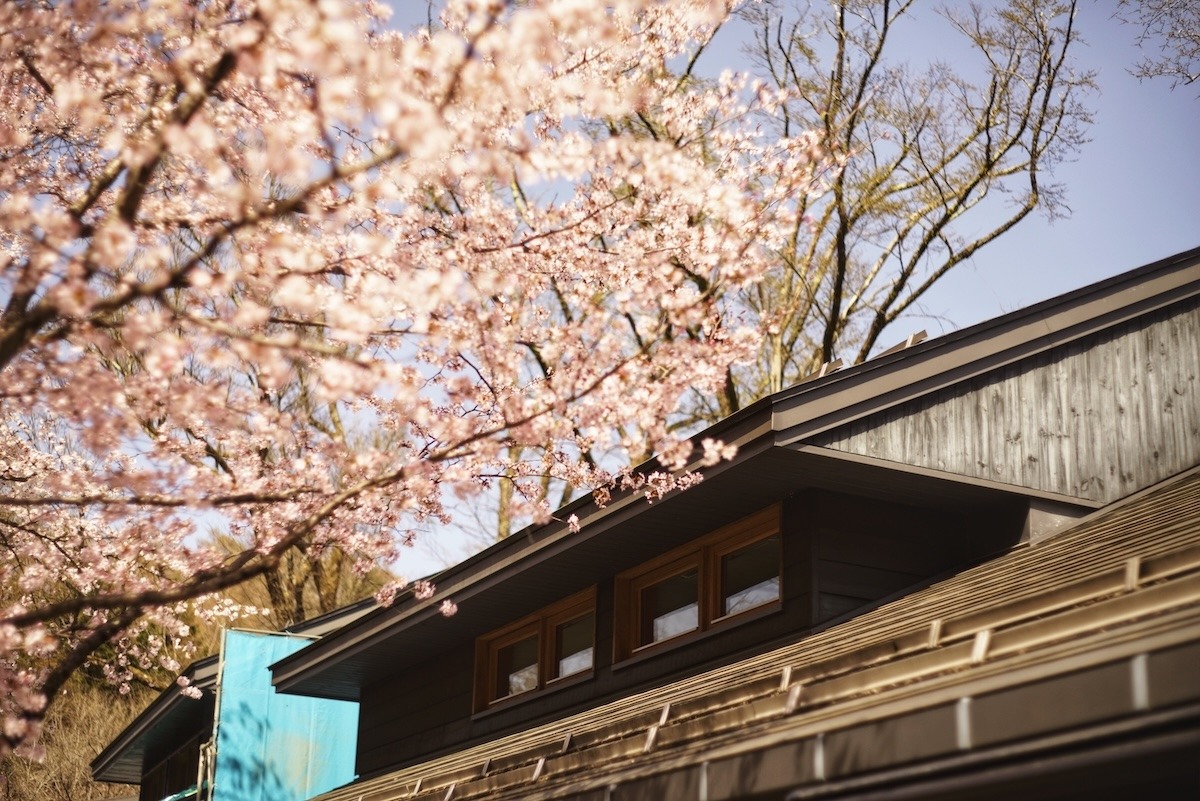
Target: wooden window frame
(704,554)
(656,574)
(716,554)
(543,624)
(495,645)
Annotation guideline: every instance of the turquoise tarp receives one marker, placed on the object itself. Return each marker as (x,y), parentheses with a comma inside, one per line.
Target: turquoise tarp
(270,746)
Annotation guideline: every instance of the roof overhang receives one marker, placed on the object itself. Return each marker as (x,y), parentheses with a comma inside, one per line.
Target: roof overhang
(774,460)
(555,566)
(806,410)
(168,718)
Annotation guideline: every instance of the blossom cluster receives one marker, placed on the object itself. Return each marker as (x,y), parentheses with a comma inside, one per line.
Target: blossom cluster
(273,268)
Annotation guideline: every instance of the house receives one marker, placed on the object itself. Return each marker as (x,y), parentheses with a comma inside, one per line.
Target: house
(240,740)
(967,568)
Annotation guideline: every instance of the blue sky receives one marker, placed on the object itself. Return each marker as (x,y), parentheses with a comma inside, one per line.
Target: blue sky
(1133,190)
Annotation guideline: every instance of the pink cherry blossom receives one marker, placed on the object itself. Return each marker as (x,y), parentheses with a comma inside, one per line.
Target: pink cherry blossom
(270,267)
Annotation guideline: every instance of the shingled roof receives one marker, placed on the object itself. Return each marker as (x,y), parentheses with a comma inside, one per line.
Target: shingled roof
(1048,649)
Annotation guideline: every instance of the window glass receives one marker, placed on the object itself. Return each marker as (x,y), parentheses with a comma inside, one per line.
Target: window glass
(700,586)
(573,645)
(750,576)
(516,668)
(669,608)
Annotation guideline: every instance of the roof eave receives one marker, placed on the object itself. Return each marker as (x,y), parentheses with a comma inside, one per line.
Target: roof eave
(114,762)
(807,410)
(793,415)
(752,436)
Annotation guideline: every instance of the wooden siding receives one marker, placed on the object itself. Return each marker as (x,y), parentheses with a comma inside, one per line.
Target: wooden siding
(863,548)
(427,710)
(173,773)
(1098,419)
(866,550)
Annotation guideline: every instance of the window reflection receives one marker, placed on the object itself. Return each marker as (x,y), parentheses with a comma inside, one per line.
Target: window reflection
(750,576)
(517,668)
(573,645)
(670,608)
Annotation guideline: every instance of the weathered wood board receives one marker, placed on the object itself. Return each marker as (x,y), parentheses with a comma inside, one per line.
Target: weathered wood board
(1097,419)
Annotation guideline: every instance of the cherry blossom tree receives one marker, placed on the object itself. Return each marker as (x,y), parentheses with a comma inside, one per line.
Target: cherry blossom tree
(944,152)
(238,234)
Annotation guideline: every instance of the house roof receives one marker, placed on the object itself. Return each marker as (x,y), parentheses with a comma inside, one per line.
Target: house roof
(172,715)
(1079,639)
(169,717)
(775,457)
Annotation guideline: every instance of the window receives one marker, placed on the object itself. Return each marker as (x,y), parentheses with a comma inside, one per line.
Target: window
(670,607)
(719,577)
(574,644)
(749,576)
(516,666)
(553,644)
(665,600)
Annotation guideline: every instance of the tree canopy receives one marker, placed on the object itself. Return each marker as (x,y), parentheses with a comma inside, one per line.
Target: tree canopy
(943,154)
(241,234)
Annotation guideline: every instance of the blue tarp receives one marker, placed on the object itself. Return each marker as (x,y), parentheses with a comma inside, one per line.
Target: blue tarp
(270,746)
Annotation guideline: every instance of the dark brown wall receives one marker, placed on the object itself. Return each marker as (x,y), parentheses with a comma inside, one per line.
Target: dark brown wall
(862,550)
(428,710)
(172,773)
(866,550)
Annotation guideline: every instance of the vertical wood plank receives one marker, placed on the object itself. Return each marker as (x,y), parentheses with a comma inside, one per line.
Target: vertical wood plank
(799,557)
(1096,419)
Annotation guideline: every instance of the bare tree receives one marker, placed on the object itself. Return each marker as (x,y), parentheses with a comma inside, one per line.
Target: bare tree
(940,160)
(1172,27)
(309,582)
